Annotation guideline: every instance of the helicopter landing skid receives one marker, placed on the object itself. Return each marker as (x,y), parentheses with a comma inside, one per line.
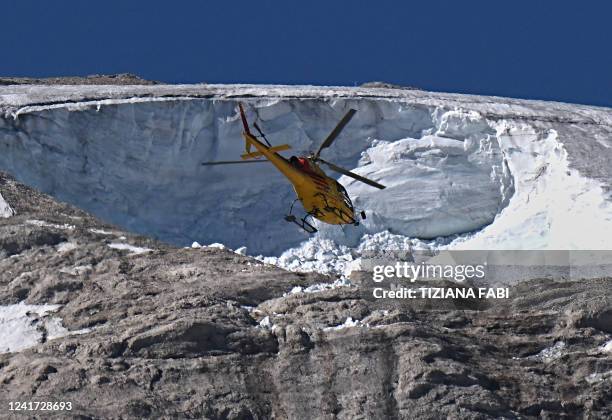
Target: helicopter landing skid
(303,223)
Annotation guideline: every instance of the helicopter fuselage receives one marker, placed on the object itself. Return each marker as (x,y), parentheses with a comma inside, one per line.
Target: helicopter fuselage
(321,196)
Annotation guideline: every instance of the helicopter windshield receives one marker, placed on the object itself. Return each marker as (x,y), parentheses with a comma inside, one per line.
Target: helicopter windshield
(345,195)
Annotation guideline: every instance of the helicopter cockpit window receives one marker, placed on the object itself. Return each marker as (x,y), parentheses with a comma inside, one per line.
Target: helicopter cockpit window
(345,195)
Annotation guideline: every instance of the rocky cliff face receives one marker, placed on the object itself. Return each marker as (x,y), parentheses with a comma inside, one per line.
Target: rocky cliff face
(143,329)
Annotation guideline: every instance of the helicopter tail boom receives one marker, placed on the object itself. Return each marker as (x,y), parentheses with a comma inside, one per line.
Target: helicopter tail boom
(254,155)
(248,143)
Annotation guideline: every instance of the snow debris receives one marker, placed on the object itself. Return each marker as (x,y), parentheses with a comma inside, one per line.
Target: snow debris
(131,248)
(217,246)
(101,231)
(5,210)
(320,287)
(316,254)
(265,323)
(42,223)
(607,347)
(196,245)
(598,377)
(241,251)
(64,247)
(349,323)
(550,354)
(77,270)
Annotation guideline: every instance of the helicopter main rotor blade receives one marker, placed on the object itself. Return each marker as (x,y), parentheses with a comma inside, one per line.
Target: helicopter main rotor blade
(352,175)
(232,162)
(332,136)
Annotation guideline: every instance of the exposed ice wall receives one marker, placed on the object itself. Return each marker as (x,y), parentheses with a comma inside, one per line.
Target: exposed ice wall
(470,171)
(553,207)
(139,165)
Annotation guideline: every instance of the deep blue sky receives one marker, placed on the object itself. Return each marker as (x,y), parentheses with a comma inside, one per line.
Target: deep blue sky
(554,50)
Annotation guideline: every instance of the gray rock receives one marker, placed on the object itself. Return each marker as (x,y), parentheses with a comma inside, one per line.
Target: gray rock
(179,333)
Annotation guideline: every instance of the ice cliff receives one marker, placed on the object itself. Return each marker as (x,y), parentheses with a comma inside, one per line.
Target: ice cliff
(461,171)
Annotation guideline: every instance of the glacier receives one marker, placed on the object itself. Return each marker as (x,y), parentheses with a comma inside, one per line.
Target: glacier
(462,171)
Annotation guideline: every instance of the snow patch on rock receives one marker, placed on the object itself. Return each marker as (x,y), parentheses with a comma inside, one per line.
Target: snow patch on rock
(42,223)
(22,326)
(349,323)
(321,287)
(68,246)
(101,232)
(131,248)
(596,377)
(550,354)
(78,270)
(5,210)
(265,322)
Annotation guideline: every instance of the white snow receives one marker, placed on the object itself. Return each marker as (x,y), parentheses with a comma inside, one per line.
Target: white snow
(241,251)
(316,254)
(5,210)
(265,322)
(42,223)
(550,353)
(598,377)
(68,246)
(101,231)
(607,347)
(77,270)
(131,248)
(462,172)
(22,326)
(349,323)
(320,287)
(553,207)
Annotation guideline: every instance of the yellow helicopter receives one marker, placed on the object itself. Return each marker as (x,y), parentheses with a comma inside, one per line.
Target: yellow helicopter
(322,197)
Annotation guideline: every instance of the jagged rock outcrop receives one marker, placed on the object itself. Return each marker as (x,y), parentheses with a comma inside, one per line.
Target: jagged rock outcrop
(93,79)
